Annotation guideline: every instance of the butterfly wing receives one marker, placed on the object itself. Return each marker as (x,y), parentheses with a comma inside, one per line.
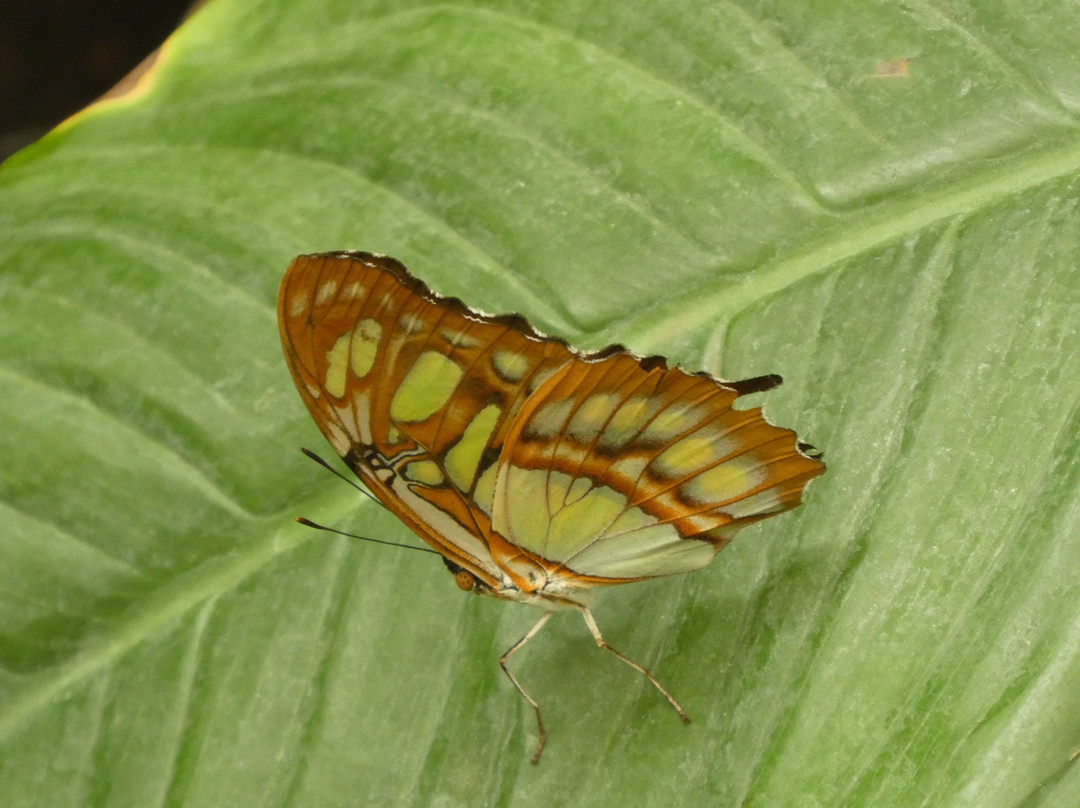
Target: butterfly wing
(414,391)
(531,466)
(622,469)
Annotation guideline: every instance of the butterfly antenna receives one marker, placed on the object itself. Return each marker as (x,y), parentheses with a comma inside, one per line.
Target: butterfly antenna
(317,526)
(340,476)
(308,523)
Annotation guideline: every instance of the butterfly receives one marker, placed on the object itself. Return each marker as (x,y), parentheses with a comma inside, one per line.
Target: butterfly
(538,472)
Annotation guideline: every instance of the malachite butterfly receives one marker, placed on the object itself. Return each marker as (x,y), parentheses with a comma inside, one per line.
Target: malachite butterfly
(538,472)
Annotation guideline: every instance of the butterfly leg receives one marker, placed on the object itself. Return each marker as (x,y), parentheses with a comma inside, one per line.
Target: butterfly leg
(600,641)
(524,694)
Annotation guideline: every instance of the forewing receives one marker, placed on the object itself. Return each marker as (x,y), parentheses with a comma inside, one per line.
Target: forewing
(414,391)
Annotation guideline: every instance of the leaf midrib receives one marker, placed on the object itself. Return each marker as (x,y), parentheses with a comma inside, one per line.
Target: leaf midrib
(708,304)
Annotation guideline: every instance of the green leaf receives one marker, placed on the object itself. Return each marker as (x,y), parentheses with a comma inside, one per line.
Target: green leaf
(878,201)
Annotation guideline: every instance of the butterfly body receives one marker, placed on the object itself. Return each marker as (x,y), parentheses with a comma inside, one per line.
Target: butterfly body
(538,472)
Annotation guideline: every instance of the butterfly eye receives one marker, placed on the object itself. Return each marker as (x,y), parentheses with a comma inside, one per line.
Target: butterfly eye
(465,580)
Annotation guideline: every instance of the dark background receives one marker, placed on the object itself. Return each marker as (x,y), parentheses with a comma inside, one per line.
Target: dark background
(56,56)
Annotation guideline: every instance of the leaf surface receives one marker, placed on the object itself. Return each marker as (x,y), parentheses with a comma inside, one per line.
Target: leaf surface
(877,201)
